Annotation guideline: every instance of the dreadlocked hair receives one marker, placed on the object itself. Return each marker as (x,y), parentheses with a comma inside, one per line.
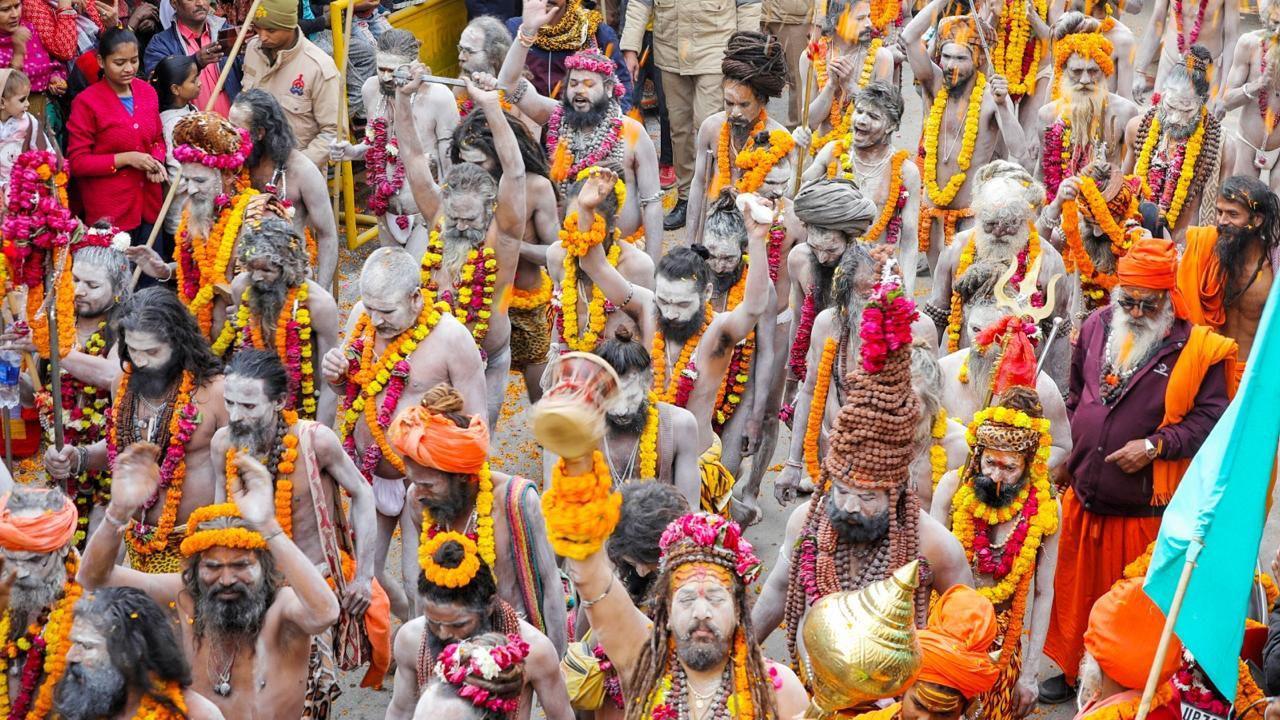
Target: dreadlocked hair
(757,61)
(474,133)
(1253,194)
(1075,22)
(657,655)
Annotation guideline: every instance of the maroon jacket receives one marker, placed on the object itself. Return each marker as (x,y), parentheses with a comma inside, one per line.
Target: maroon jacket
(1098,430)
(100,127)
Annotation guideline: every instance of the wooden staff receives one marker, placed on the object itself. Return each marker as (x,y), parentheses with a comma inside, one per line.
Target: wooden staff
(55,372)
(807,97)
(208,107)
(344,132)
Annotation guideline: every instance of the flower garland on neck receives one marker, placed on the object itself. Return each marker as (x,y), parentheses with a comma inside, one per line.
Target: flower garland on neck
(598,306)
(522,299)
(483,514)
(173,706)
(45,645)
(647,445)
(732,701)
(889,223)
(147,539)
(466,105)
(291,341)
(818,408)
(473,306)
(84,417)
(942,196)
(599,148)
(729,397)
(798,362)
(724,163)
(1185,175)
(1094,284)
(283,459)
(1009,56)
(382,166)
(1026,259)
(366,379)
(684,374)
(1061,158)
(202,263)
(937,450)
(1187,40)
(757,162)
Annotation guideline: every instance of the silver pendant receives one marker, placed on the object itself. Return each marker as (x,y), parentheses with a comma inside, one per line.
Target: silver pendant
(223,688)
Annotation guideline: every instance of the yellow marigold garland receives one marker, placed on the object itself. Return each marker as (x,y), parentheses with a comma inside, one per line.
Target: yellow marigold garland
(198,541)
(1192,153)
(522,299)
(455,577)
(1011,47)
(217,249)
(647,446)
(890,207)
(284,471)
(484,517)
(581,510)
(734,385)
(596,319)
(966,507)
(938,451)
(619,187)
(956,317)
(756,162)
(942,196)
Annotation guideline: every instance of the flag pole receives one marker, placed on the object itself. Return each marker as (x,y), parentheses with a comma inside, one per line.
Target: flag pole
(1166,635)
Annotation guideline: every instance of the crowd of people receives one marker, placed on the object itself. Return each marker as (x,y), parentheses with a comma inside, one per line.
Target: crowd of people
(982,357)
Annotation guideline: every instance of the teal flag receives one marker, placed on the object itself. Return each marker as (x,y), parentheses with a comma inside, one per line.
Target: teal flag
(1222,503)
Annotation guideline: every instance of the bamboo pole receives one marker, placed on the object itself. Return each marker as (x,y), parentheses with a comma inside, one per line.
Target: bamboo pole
(1166,635)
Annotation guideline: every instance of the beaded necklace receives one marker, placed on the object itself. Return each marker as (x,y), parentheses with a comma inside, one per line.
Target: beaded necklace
(573,151)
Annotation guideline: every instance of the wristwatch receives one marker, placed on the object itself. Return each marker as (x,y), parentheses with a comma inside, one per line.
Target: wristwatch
(1152,450)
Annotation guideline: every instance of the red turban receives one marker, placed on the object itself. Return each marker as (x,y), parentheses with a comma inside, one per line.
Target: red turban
(44,533)
(1152,263)
(1124,629)
(433,440)
(962,627)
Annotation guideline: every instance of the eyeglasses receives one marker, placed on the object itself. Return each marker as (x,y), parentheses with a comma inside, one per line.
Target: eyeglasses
(1143,306)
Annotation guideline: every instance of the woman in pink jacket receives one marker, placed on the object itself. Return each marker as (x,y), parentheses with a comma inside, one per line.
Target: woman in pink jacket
(116,149)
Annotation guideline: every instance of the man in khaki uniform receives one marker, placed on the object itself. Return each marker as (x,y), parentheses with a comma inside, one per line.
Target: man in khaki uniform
(688,45)
(788,20)
(282,61)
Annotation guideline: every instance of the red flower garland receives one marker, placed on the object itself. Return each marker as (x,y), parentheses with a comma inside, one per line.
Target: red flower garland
(986,562)
(383,152)
(804,335)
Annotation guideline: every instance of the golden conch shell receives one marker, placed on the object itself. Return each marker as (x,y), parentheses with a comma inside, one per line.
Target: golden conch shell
(861,646)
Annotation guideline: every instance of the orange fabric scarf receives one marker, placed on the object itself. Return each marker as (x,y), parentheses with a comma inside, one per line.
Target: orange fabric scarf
(1204,349)
(1200,278)
(50,530)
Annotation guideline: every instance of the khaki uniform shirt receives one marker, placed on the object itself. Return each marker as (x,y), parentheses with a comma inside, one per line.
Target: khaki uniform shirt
(306,83)
(789,12)
(689,35)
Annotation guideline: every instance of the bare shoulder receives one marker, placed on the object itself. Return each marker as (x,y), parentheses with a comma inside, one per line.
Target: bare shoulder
(635,265)
(798,261)
(539,190)
(541,652)
(950,363)
(710,127)
(1048,113)
(795,523)
(439,98)
(199,707)
(302,169)
(319,299)
(910,173)
(408,640)
(683,424)
(211,392)
(937,543)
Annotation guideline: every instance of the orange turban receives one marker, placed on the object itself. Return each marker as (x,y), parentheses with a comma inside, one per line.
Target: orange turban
(1124,629)
(1152,263)
(433,440)
(44,533)
(962,627)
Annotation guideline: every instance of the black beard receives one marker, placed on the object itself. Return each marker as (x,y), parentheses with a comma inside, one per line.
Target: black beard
(266,300)
(437,646)
(388,89)
(984,488)
(722,284)
(822,275)
(256,153)
(86,693)
(1099,249)
(678,332)
(957,83)
(586,119)
(1230,248)
(241,616)
(702,655)
(1178,132)
(632,422)
(95,313)
(857,528)
(452,505)
(154,382)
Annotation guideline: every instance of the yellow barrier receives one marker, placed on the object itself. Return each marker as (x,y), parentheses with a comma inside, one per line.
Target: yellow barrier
(438,25)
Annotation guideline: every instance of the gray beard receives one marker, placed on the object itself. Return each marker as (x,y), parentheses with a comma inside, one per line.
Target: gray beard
(458,244)
(1099,249)
(202,213)
(30,599)
(257,439)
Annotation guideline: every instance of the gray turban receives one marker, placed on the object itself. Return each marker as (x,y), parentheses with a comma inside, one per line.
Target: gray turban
(835,205)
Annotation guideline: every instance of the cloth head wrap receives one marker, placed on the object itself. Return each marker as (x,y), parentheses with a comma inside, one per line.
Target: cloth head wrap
(276,15)
(955,645)
(433,440)
(1124,629)
(1152,263)
(43,533)
(835,205)
(960,29)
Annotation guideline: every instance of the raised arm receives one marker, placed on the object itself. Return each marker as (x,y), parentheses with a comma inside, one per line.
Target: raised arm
(648,188)
(311,607)
(912,37)
(315,197)
(510,214)
(633,299)
(1230,39)
(364,518)
(536,106)
(417,165)
(1239,93)
(1148,50)
(742,319)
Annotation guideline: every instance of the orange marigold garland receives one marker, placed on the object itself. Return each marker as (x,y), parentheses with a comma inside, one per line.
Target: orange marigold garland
(817,408)
(203,263)
(725,164)
(739,371)
(684,373)
(757,162)
(285,457)
(581,510)
(1092,45)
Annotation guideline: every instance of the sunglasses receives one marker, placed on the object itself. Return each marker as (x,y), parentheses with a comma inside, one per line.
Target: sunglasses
(1144,306)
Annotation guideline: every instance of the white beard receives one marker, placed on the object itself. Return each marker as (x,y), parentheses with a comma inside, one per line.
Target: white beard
(1133,340)
(1004,250)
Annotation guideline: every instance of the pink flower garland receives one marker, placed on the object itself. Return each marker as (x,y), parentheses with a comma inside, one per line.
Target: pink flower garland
(192,154)
(777,233)
(36,220)
(175,452)
(1013,545)
(804,334)
(1037,298)
(456,670)
(714,533)
(886,325)
(31,673)
(612,685)
(1190,683)
(368,461)
(893,231)
(383,152)
(1051,163)
(1184,43)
